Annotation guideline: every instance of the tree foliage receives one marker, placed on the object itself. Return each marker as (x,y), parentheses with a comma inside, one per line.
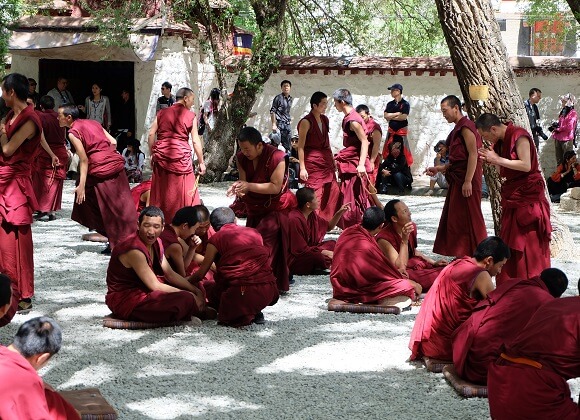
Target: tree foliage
(10,11)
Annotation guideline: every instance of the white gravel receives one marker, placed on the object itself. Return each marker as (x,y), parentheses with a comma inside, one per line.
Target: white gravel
(304,363)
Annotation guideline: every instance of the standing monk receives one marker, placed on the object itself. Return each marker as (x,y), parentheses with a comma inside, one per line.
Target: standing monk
(353,161)
(525,219)
(49,173)
(528,381)
(317,168)
(374,134)
(102,197)
(19,139)
(173,184)
(452,298)
(263,188)
(461,227)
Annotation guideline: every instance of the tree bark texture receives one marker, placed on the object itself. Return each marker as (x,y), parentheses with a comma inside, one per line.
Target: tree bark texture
(479,57)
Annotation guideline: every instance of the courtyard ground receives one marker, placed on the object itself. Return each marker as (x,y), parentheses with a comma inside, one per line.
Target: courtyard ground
(304,363)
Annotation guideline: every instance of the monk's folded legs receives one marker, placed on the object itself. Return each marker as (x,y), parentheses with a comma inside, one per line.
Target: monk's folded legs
(164,307)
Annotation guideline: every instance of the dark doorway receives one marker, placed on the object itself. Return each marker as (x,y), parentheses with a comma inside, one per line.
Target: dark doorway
(112,76)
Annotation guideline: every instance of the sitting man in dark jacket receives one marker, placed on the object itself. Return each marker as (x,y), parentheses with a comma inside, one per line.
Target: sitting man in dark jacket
(394,170)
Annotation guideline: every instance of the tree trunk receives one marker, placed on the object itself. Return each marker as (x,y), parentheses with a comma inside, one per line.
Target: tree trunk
(480,58)
(575,7)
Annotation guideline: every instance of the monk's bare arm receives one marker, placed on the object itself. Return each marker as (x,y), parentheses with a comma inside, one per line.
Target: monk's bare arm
(136,260)
(197,149)
(482,285)
(398,258)
(376,145)
(210,254)
(27,131)
(47,149)
(303,128)
(364,149)
(471,145)
(332,223)
(524,163)
(112,139)
(83,167)
(176,280)
(174,252)
(152,136)
(272,187)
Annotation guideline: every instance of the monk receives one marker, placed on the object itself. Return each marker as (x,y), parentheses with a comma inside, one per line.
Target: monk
(102,197)
(454,294)
(245,284)
(24,393)
(308,252)
(528,380)
(317,168)
(141,285)
(173,184)
(263,187)
(525,218)
(362,274)
(49,170)
(141,194)
(374,134)
(353,161)
(19,139)
(398,241)
(5,294)
(179,239)
(477,342)
(461,227)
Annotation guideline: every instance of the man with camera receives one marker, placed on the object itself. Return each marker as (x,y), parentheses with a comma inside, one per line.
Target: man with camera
(535,95)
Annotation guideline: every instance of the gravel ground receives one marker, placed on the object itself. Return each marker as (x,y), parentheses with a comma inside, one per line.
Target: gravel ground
(304,363)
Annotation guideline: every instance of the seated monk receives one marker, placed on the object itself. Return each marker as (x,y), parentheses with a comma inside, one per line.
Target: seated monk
(499,317)
(308,252)
(24,393)
(244,283)
(453,295)
(398,241)
(141,194)
(141,284)
(528,380)
(5,294)
(362,274)
(179,240)
(204,231)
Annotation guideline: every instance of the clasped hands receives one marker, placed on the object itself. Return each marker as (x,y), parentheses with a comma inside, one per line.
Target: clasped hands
(238,188)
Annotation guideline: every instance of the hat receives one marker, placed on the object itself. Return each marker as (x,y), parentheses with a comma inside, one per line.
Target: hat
(396,86)
(275,137)
(295,134)
(569,98)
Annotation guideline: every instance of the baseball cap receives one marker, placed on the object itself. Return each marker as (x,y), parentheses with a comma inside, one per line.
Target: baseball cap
(396,86)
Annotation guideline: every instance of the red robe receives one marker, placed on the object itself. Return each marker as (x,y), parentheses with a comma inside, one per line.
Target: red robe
(419,270)
(522,391)
(244,281)
(525,220)
(320,165)
(108,206)
(129,298)
(353,188)
(21,389)
(507,309)
(46,180)
(136,193)
(461,227)
(371,127)
(208,281)
(259,205)
(361,273)
(447,305)
(173,184)
(17,201)
(305,241)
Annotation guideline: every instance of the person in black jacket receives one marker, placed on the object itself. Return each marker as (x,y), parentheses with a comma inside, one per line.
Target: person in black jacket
(394,170)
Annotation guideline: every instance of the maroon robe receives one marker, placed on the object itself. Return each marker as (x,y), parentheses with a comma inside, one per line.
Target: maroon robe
(259,205)
(461,227)
(136,192)
(419,270)
(108,206)
(447,305)
(549,341)
(46,180)
(354,189)
(244,281)
(21,389)
(507,309)
(371,127)
(320,166)
(306,245)
(525,220)
(173,183)
(17,201)
(129,298)
(361,273)
(208,281)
